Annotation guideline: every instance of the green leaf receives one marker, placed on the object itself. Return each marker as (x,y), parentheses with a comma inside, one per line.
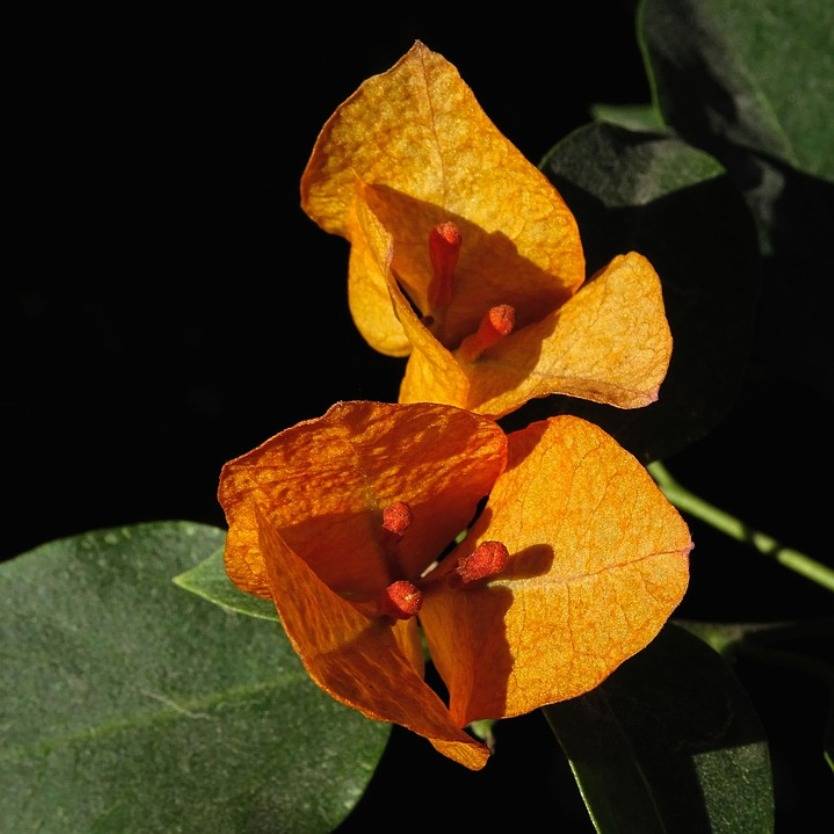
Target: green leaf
(669,743)
(724,638)
(209,580)
(129,706)
(638,117)
(752,82)
(484,729)
(802,649)
(755,73)
(676,205)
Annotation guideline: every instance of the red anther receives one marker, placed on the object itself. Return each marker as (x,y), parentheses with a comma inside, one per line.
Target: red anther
(397,518)
(502,319)
(497,323)
(401,599)
(487,559)
(444,249)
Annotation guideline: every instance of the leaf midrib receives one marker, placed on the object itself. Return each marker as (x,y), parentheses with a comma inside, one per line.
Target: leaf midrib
(186,709)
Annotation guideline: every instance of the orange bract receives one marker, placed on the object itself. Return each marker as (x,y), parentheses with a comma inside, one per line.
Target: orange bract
(599,560)
(411,152)
(326,482)
(573,566)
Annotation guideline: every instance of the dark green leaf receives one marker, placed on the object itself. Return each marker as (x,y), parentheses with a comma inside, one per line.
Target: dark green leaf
(130,706)
(756,73)
(802,649)
(674,204)
(669,743)
(752,82)
(209,580)
(643,117)
(724,638)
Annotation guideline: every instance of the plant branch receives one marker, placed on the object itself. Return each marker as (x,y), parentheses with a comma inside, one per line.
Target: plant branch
(792,559)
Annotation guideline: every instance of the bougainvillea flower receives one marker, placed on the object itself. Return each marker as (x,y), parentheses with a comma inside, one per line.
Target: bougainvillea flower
(573,565)
(464,256)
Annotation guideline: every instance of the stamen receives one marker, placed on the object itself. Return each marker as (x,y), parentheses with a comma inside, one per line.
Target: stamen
(497,323)
(397,518)
(444,249)
(488,559)
(401,599)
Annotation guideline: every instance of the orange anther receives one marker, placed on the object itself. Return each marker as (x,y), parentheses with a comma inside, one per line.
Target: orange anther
(444,248)
(401,599)
(397,518)
(497,323)
(488,559)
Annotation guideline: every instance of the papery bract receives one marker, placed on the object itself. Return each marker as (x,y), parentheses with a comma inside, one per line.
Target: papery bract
(411,151)
(575,563)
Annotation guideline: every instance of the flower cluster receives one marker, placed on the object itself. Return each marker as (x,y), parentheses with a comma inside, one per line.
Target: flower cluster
(466,258)
(448,222)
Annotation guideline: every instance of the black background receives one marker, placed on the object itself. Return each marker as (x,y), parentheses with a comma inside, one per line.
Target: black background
(172,307)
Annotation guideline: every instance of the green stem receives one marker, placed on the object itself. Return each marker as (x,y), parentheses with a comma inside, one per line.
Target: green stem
(684,500)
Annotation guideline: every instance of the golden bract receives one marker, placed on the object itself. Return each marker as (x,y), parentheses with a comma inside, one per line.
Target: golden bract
(597,559)
(410,150)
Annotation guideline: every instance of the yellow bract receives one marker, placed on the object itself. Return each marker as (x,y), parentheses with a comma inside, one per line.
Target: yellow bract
(412,149)
(597,559)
